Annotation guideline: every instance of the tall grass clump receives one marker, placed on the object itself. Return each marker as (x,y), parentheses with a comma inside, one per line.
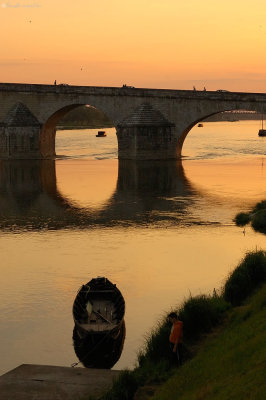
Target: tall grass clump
(124,387)
(242,219)
(154,347)
(200,314)
(247,276)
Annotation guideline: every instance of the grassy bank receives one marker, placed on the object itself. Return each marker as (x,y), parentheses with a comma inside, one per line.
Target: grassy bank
(218,337)
(232,362)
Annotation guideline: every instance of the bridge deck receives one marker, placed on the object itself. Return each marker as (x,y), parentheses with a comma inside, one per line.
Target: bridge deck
(131,91)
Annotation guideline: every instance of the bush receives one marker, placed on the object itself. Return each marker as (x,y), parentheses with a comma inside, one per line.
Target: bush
(259,221)
(249,274)
(259,206)
(242,219)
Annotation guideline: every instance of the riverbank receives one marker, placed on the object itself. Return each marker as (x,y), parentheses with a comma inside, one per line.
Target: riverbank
(231,362)
(224,345)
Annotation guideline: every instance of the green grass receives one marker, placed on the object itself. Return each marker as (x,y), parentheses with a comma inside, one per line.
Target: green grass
(232,362)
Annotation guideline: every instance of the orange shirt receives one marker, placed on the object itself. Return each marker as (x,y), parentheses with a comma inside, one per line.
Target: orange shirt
(176,333)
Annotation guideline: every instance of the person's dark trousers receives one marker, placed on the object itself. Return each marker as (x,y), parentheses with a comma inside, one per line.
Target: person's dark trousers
(176,356)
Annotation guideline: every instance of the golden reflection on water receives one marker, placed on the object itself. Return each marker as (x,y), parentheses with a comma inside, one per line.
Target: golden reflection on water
(229,178)
(86,183)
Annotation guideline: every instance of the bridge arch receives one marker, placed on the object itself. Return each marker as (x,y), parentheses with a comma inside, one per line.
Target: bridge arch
(48,130)
(203,116)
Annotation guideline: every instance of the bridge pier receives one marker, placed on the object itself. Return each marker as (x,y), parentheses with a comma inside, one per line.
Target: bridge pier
(146,135)
(20,134)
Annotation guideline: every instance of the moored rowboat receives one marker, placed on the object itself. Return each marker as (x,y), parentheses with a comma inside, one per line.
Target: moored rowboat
(99,331)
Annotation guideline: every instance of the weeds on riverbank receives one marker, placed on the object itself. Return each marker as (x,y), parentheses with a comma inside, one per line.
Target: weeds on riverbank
(200,314)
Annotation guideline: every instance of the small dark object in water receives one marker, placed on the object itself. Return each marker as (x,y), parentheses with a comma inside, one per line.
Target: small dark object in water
(101,134)
(99,331)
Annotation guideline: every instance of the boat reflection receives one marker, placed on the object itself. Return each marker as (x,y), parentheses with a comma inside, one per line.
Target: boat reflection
(146,192)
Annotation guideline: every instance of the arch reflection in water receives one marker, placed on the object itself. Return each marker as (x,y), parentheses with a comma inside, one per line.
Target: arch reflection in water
(146,191)
(99,331)
(151,191)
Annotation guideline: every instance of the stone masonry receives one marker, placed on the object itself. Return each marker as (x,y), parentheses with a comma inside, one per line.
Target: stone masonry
(47,104)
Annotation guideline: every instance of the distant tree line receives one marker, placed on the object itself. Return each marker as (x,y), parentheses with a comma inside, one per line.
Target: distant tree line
(85,117)
(90,117)
(237,115)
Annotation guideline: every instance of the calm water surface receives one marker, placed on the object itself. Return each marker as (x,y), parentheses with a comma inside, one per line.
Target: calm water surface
(158,230)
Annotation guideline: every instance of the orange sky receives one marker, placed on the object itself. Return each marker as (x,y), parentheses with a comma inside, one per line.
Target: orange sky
(144,43)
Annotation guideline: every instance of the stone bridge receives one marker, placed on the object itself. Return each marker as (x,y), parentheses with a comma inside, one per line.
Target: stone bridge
(151,124)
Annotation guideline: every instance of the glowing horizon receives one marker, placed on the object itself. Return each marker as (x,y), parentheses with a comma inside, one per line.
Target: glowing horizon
(161,45)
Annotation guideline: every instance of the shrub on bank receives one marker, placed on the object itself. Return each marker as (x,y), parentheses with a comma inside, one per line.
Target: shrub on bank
(257,217)
(259,221)
(259,206)
(242,219)
(248,275)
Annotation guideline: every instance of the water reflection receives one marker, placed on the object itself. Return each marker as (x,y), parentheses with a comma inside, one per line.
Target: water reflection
(99,353)
(146,192)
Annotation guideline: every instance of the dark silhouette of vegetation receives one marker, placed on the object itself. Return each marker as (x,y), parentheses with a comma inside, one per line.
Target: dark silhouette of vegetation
(85,117)
(124,387)
(257,217)
(259,221)
(259,206)
(249,274)
(200,314)
(242,219)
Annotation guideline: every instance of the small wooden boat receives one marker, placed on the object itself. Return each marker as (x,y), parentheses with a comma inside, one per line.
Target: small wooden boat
(101,134)
(99,331)
(200,125)
(262,132)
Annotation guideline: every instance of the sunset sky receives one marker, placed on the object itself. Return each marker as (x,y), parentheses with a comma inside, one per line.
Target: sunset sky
(145,43)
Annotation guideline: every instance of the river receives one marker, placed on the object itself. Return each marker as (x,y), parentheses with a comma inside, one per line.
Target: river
(159,230)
